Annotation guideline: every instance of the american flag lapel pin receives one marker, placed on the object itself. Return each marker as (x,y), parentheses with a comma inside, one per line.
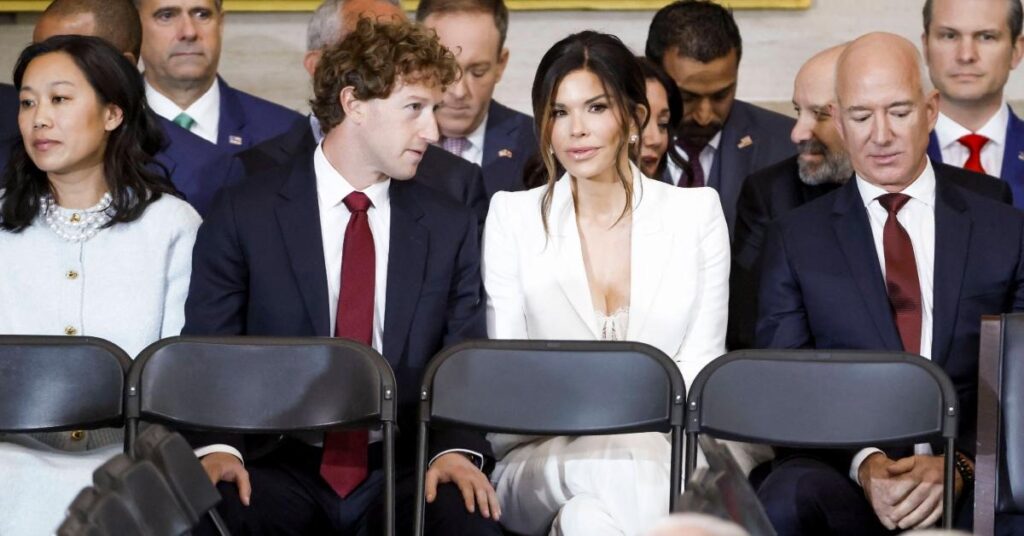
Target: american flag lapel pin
(505,153)
(235,140)
(745,141)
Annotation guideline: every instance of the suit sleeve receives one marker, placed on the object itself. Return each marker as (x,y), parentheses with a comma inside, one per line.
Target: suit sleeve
(705,338)
(465,322)
(782,318)
(476,196)
(218,294)
(506,316)
(752,217)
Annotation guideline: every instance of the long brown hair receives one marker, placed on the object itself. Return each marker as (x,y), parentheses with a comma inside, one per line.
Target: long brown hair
(615,66)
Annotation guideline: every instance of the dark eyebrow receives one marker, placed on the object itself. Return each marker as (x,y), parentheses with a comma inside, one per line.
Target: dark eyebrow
(591,100)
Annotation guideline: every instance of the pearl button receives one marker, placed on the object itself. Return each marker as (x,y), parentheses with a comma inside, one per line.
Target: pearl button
(72,274)
(77,435)
(70,330)
(76,217)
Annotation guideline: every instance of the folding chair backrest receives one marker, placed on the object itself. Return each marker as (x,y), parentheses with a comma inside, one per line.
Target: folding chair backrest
(257,384)
(59,383)
(542,387)
(809,398)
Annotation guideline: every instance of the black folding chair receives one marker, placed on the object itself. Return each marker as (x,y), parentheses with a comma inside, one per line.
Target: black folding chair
(795,398)
(999,462)
(551,388)
(265,385)
(55,383)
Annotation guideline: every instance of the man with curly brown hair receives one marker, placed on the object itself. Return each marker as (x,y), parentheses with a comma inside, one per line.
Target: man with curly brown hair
(339,242)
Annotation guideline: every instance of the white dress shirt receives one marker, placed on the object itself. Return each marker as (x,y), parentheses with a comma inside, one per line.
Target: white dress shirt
(918,218)
(954,153)
(707,159)
(474,153)
(205,110)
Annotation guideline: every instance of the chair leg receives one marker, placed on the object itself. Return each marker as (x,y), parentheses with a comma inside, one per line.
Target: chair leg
(947,490)
(389,479)
(421,470)
(691,455)
(675,478)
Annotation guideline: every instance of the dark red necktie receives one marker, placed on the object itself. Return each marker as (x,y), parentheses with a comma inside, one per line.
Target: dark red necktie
(901,280)
(696,170)
(974,143)
(344,459)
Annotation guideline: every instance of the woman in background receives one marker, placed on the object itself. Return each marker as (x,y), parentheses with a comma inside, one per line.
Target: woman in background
(599,253)
(666,113)
(98,240)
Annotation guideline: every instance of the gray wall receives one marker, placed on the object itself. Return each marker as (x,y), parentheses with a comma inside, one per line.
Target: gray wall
(263,51)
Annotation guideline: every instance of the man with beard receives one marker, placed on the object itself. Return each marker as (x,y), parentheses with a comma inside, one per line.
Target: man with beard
(820,166)
(724,139)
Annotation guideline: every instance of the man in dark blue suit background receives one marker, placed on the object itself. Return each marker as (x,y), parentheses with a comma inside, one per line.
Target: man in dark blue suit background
(440,170)
(724,140)
(181,46)
(9,134)
(902,257)
(197,168)
(274,258)
(971,48)
(473,125)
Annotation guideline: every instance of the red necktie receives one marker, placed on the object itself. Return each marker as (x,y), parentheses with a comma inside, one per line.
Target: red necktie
(974,143)
(344,459)
(696,178)
(901,280)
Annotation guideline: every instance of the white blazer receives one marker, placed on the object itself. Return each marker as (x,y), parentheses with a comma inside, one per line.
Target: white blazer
(537,287)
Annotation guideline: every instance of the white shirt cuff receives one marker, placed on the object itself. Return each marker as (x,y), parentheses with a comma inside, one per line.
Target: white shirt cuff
(210,449)
(862,455)
(476,456)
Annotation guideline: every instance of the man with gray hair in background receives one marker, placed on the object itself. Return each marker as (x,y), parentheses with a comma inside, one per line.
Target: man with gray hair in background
(331,22)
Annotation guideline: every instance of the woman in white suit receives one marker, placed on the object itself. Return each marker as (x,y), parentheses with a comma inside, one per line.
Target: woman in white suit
(599,253)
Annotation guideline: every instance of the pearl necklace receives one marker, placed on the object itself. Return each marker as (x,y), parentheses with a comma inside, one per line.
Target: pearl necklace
(76,225)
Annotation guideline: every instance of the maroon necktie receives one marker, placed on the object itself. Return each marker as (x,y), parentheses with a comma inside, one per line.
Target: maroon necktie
(974,143)
(697,171)
(901,280)
(344,460)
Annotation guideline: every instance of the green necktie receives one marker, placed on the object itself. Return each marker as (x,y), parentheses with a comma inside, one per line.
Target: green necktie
(184,121)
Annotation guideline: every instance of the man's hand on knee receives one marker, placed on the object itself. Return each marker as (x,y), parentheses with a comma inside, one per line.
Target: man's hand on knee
(476,489)
(224,467)
(883,489)
(905,493)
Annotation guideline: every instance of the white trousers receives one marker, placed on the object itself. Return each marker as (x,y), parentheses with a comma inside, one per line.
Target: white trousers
(40,483)
(587,485)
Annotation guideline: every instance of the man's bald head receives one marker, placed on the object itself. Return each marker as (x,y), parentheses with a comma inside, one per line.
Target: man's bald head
(115,21)
(334,19)
(885,113)
(822,157)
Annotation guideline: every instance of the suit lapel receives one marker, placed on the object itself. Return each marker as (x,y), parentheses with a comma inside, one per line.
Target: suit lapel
(298,215)
(648,259)
(934,151)
(853,234)
(569,268)
(407,261)
(499,154)
(1013,159)
(231,125)
(953,224)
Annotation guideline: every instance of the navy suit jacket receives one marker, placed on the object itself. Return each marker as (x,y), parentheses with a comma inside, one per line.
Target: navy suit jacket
(752,139)
(439,169)
(1013,157)
(198,168)
(765,196)
(9,134)
(247,120)
(509,141)
(258,269)
(822,287)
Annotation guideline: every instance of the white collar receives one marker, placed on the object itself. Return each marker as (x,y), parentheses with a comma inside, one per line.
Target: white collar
(948,131)
(476,138)
(332,187)
(922,189)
